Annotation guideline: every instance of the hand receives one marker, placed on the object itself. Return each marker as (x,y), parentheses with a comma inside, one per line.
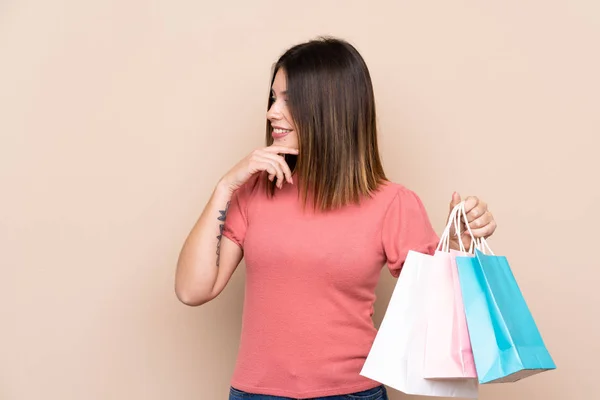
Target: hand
(480,219)
(264,159)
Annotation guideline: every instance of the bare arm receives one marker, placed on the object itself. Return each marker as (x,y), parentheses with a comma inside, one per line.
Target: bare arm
(208,259)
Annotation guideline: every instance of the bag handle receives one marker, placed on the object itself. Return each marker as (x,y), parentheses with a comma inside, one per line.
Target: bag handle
(453,218)
(484,245)
(480,243)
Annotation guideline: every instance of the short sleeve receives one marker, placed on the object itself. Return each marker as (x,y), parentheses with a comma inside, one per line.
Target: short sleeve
(406,226)
(236,216)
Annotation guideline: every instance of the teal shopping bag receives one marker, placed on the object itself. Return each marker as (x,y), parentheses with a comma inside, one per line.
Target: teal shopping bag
(507,345)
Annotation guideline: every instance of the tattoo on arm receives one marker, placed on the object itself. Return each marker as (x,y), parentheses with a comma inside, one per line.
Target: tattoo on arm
(222,217)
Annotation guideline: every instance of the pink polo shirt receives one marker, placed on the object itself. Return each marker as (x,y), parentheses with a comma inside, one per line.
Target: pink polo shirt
(310,285)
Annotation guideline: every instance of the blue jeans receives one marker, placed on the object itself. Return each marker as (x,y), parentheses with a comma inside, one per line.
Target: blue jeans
(377,393)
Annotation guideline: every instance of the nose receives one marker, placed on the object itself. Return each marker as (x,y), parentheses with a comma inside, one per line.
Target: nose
(274,113)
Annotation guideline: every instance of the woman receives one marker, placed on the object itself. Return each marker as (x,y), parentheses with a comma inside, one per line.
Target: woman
(316,220)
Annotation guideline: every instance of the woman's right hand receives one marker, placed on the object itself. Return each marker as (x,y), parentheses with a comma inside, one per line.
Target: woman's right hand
(264,159)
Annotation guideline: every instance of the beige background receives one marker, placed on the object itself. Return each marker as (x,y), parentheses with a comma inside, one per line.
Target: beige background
(117,118)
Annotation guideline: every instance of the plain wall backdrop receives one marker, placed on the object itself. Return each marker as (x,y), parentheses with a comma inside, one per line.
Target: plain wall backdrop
(117,118)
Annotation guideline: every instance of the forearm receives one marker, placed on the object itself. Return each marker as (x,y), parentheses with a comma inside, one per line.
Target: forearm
(197,266)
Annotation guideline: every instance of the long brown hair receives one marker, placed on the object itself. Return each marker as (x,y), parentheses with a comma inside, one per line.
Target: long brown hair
(331,101)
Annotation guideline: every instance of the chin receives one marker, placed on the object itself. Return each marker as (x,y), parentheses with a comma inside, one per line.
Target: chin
(284,142)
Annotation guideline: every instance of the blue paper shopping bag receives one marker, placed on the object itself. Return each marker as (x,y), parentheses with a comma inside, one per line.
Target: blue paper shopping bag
(506,343)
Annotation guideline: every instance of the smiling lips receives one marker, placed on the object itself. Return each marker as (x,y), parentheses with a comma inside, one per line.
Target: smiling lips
(279,133)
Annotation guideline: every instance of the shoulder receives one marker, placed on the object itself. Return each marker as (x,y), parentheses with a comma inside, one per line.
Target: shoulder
(391,191)
(396,197)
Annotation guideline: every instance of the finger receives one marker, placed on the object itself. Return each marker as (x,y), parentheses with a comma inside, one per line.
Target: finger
(276,167)
(278,173)
(470,203)
(455,200)
(265,166)
(486,231)
(481,221)
(483,226)
(261,163)
(476,213)
(281,161)
(453,203)
(479,209)
(281,149)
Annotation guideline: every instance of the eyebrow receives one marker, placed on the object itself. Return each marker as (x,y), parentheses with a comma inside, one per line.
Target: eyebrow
(284,93)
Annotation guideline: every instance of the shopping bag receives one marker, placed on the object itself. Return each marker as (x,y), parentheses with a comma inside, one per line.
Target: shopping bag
(396,357)
(448,351)
(507,345)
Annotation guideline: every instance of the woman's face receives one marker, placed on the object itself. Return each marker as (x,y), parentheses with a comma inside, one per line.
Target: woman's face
(284,132)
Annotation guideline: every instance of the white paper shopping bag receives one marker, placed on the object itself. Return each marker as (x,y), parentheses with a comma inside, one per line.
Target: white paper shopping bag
(397,356)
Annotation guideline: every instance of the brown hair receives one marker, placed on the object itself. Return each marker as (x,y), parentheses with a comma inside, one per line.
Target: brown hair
(330,97)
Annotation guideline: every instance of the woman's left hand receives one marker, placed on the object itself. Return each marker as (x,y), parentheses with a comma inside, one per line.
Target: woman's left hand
(481,221)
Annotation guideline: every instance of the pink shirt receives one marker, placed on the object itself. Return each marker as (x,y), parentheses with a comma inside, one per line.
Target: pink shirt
(310,285)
